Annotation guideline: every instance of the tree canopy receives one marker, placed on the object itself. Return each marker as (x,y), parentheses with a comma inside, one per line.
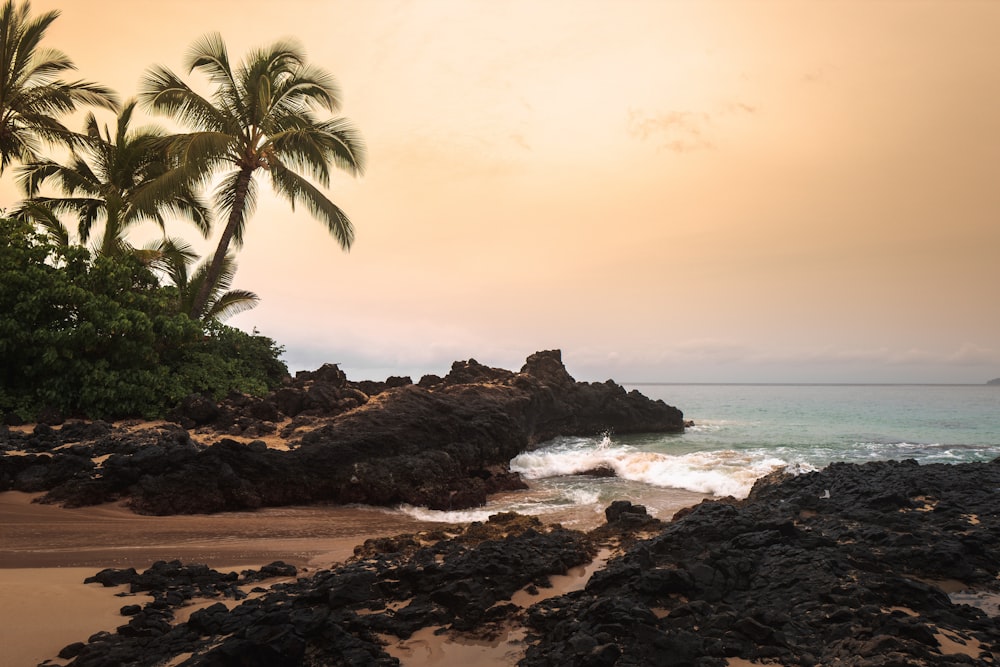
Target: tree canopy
(260,118)
(99,337)
(92,331)
(120,178)
(32,94)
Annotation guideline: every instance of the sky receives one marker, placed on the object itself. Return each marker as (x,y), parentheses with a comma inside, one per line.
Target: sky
(667,191)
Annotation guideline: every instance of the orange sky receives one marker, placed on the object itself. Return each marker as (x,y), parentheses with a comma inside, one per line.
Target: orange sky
(668,191)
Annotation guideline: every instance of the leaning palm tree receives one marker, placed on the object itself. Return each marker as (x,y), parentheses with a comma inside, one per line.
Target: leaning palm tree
(174,258)
(120,179)
(32,95)
(260,118)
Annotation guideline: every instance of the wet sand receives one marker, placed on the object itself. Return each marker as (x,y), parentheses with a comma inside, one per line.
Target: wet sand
(44,609)
(34,535)
(46,552)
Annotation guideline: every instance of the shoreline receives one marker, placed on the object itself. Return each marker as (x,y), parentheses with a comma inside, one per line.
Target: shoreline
(41,536)
(47,551)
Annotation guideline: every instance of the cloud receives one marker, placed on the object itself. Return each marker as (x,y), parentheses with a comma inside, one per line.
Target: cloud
(967,355)
(678,131)
(817,75)
(739,108)
(973,355)
(518,139)
(683,131)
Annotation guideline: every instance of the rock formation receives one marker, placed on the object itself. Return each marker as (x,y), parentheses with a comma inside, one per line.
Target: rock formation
(444,443)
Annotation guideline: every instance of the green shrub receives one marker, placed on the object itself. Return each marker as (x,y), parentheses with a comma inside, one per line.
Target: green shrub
(100,338)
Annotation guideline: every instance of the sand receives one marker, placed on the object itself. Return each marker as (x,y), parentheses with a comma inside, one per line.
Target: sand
(46,552)
(44,609)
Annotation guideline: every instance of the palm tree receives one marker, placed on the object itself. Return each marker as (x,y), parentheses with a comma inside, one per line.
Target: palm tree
(260,118)
(121,179)
(31,93)
(175,257)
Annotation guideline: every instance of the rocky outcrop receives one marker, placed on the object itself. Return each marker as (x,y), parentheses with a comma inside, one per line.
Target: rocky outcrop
(841,567)
(543,397)
(445,443)
(846,566)
(462,581)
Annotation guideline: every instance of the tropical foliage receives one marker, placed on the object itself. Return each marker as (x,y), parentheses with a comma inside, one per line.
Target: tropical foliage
(260,118)
(32,94)
(175,259)
(99,337)
(120,179)
(102,328)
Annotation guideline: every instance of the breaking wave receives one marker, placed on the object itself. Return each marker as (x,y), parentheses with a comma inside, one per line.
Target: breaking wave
(719,473)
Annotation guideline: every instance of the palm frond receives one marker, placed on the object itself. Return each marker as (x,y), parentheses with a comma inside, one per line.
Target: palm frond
(45,219)
(221,302)
(232,303)
(314,148)
(31,93)
(204,151)
(173,257)
(165,92)
(209,55)
(295,189)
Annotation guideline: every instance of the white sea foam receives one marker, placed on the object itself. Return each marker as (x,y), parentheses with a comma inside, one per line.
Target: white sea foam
(722,473)
(707,426)
(443,516)
(541,502)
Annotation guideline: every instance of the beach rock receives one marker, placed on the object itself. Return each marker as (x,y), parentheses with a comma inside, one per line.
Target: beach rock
(195,410)
(443,445)
(334,616)
(798,576)
(623,511)
(792,575)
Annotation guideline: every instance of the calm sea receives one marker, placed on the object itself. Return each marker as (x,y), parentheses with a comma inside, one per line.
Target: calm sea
(742,432)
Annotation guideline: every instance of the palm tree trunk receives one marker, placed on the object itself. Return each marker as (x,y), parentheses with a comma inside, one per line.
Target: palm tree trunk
(215,268)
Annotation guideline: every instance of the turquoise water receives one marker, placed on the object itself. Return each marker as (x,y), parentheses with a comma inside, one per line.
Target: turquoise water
(742,432)
(819,424)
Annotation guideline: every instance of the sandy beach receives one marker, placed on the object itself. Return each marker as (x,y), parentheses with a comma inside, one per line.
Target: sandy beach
(46,552)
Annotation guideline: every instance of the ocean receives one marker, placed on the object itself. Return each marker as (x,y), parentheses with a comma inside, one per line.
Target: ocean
(740,433)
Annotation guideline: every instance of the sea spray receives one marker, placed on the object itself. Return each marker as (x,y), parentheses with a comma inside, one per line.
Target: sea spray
(740,433)
(718,473)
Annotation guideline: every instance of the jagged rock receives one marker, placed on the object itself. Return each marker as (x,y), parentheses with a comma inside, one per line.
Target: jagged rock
(766,580)
(333,616)
(624,511)
(195,410)
(443,445)
(794,575)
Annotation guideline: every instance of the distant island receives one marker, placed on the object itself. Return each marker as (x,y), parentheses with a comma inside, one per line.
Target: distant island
(994,381)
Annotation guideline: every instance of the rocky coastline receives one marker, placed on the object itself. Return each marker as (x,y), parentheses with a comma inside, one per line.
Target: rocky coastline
(882,564)
(442,443)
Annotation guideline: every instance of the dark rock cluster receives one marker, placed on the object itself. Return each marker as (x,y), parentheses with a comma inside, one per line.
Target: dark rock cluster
(458,581)
(543,397)
(444,443)
(847,566)
(841,567)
